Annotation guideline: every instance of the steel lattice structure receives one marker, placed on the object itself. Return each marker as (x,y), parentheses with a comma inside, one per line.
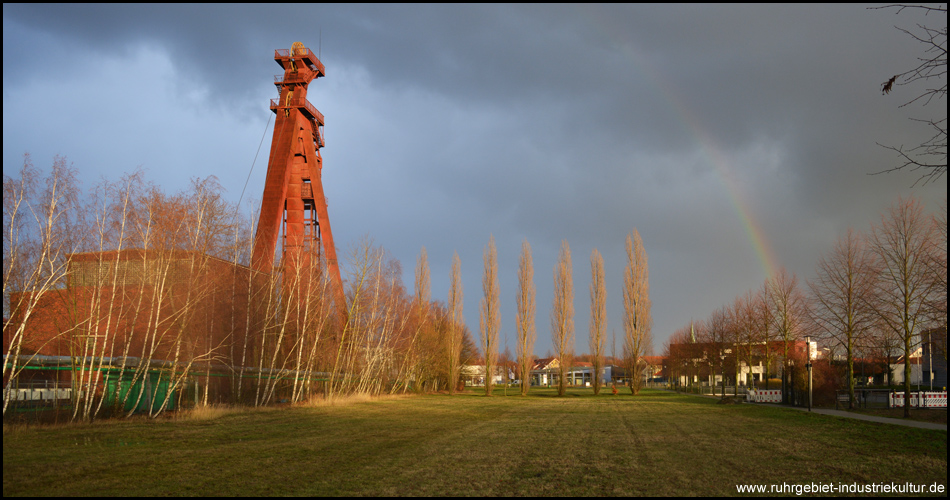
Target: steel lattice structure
(293,203)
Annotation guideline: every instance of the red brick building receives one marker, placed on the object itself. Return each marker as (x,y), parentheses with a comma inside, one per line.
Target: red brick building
(117,311)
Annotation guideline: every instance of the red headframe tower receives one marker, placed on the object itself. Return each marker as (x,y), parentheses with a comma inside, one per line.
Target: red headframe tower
(293,191)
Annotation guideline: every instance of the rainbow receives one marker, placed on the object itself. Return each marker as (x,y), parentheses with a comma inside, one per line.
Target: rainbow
(608,25)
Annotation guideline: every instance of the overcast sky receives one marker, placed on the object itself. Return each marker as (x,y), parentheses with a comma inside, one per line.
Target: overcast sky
(735,139)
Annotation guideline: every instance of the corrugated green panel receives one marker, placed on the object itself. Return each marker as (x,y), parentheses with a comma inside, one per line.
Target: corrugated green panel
(150,389)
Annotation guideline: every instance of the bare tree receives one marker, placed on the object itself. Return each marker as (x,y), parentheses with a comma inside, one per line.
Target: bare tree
(716,333)
(766,327)
(905,243)
(203,231)
(113,205)
(411,362)
(930,156)
(423,289)
(456,330)
(40,229)
(745,334)
(562,315)
(884,346)
(637,320)
(790,312)
(490,317)
(735,335)
(365,261)
(938,304)
(317,310)
(525,317)
(598,316)
(842,294)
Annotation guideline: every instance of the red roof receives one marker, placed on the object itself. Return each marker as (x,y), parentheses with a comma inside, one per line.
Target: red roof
(654,360)
(542,363)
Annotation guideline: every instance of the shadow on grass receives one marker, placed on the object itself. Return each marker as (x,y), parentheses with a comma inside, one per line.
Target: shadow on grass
(575,392)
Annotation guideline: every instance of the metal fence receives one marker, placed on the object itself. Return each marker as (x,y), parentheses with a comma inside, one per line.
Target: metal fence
(863,398)
(40,394)
(710,390)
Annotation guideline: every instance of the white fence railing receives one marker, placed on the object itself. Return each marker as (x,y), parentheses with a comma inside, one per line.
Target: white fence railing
(763,396)
(927,400)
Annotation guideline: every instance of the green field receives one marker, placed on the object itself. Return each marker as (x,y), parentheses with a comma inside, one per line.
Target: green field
(658,443)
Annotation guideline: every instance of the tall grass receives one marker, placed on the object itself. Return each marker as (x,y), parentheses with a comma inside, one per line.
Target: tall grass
(207,412)
(319,401)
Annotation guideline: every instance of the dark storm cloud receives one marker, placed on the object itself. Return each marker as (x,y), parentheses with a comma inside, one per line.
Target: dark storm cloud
(447,123)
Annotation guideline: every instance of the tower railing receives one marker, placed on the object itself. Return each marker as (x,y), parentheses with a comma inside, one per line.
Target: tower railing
(304,53)
(298,102)
(298,77)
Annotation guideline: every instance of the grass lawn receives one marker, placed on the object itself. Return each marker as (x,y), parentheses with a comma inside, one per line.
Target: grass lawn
(658,443)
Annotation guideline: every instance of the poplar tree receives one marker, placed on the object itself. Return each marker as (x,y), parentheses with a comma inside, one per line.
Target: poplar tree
(637,321)
(598,316)
(490,319)
(454,335)
(562,315)
(525,316)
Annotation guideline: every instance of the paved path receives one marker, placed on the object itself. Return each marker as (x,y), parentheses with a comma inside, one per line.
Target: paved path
(870,418)
(858,416)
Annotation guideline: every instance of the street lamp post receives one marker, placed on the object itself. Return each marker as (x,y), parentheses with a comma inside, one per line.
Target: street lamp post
(930,358)
(722,373)
(808,365)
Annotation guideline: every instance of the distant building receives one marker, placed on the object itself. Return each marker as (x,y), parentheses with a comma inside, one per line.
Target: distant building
(654,372)
(711,364)
(581,373)
(924,366)
(474,374)
(934,358)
